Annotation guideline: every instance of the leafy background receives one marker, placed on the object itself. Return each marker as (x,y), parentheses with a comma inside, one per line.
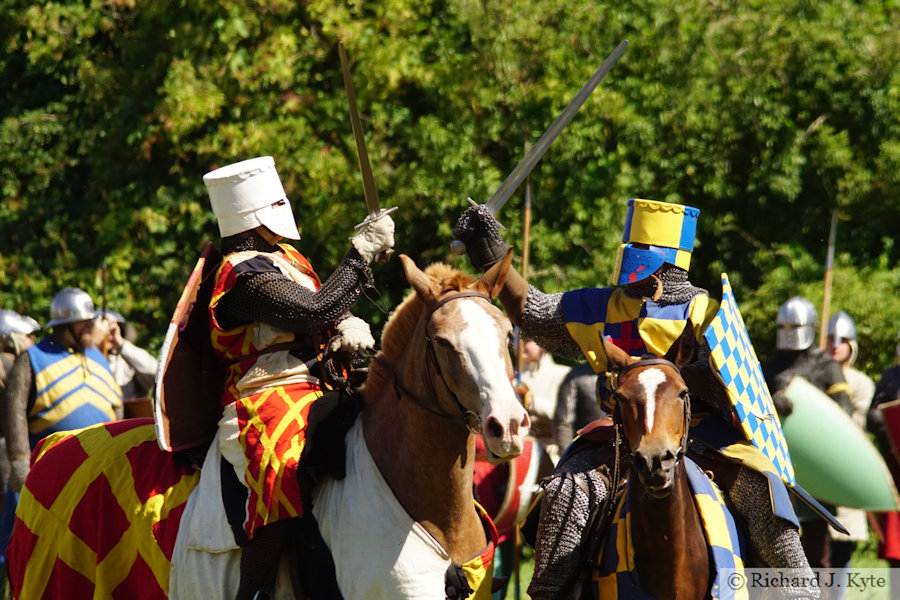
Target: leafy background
(767,116)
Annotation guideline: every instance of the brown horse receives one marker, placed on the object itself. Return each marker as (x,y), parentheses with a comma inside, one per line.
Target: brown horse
(653,412)
(443,374)
(101,513)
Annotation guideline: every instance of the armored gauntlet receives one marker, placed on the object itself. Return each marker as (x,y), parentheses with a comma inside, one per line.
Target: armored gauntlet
(478,230)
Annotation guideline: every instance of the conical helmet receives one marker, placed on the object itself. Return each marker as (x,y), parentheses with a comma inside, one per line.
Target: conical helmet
(842,328)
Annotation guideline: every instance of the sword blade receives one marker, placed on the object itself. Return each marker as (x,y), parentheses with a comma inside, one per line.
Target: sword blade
(371,193)
(515,178)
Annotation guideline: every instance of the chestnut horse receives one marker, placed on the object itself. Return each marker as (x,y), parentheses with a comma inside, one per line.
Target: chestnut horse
(671,552)
(101,512)
(443,374)
(653,411)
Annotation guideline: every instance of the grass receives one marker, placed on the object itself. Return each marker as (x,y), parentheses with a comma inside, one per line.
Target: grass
(865,557)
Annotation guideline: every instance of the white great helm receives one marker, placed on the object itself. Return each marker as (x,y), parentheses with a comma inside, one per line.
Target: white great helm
(247,194)
(796,324)
(70,305)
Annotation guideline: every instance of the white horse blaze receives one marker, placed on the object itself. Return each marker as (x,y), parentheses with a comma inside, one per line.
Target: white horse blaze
(651,379)
(479,340)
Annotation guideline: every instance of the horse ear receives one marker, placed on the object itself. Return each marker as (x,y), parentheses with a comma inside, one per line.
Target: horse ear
(616,358)
(492,281)
(419,281)
(682,351)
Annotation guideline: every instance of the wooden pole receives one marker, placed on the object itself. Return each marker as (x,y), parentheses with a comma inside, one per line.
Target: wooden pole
(826,294)
(526,248)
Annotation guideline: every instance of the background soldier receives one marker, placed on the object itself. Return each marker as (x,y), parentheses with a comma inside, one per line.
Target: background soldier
(63,382)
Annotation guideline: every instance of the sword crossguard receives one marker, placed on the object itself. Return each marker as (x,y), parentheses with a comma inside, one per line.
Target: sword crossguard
(374,217)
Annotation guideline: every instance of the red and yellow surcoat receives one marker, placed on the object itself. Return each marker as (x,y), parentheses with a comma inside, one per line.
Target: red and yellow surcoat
(268,392)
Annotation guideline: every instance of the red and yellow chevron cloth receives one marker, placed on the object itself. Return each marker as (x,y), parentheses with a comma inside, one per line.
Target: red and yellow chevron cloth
(272,434)
(99,515)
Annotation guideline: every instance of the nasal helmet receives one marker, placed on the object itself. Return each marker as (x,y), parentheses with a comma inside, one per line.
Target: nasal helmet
(842,328)
(247,194)
(796,324)
(655,233)
(70,305)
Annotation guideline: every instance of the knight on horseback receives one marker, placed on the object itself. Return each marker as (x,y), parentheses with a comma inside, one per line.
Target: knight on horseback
(270,318)
(645,313)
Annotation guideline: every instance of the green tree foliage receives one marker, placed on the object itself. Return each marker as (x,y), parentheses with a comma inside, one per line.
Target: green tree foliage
(765,115)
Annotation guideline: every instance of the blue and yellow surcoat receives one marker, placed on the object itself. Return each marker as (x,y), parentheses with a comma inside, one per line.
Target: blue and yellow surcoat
(635,325)
(73,390)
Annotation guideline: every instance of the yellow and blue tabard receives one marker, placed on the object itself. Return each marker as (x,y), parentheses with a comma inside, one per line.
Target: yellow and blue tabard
(615,575)
(737,367)
(635,325)
(73,390)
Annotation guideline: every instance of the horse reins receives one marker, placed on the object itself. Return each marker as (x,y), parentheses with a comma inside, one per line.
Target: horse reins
(468,418)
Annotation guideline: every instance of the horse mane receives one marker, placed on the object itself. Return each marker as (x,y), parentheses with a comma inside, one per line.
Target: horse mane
(402,323)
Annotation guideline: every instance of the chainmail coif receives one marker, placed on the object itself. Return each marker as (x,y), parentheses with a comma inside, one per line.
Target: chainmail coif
(277,300)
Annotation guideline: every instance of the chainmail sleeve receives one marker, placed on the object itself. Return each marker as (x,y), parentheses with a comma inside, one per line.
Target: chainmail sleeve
(542,320)
(272,298)
(570,496)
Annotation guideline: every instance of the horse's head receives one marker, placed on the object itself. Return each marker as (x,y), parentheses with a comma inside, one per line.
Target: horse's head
(653,408)
(468,342)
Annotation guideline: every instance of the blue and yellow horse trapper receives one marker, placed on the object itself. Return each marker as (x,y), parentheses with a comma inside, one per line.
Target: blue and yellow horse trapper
(615,574)
(736,365)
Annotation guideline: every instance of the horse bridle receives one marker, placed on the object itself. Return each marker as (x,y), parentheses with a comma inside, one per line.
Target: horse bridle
(613,379)
(468,418)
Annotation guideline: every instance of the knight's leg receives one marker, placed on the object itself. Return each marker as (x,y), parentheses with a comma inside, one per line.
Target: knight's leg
(569,498)
(260,558)
(775,540)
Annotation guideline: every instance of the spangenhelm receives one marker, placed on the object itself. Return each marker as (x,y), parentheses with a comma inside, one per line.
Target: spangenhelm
(70,305)
(842,328)
(655,233)
(796,324)
(248,194)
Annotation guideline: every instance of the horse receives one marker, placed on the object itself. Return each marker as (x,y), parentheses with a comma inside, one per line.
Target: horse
(650,532)
(103,510)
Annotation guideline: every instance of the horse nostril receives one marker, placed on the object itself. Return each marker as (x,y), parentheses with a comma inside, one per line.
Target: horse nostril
(640,462)
(668,460)
(494,429)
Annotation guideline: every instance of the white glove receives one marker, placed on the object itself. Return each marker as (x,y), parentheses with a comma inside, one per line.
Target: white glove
(374,237)
(355,335)
(17,472)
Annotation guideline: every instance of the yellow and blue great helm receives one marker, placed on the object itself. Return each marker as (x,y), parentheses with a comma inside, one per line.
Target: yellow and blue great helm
(655,233)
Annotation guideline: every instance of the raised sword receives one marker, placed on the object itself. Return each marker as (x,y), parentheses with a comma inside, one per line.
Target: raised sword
(534,154)
(371,193)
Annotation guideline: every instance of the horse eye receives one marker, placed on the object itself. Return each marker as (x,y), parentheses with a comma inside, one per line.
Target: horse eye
(443,342)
